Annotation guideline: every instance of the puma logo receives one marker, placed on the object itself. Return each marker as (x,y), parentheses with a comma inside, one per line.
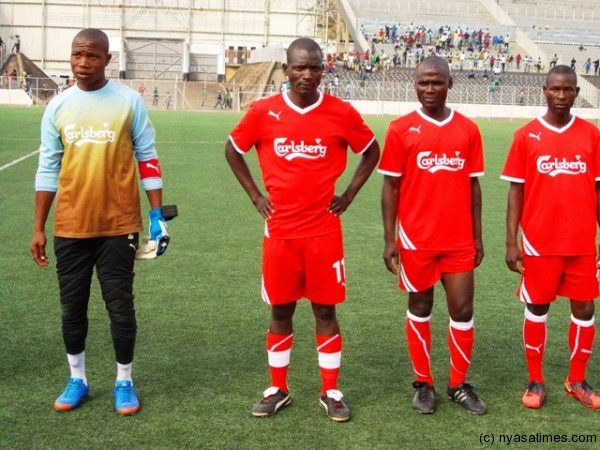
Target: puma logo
(536,136)
(276,115)
(538,349)
(151,166)
(416,129)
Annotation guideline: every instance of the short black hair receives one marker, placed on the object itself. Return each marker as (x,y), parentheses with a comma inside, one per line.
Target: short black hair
(562,70)
(303,43)
(438,62)
(96,34)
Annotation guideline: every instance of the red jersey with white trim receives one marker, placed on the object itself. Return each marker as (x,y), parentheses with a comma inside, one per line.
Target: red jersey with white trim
(435,161)
(560,167)
(302,152)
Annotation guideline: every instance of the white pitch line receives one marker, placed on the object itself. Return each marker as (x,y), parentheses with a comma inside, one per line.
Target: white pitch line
(18,160)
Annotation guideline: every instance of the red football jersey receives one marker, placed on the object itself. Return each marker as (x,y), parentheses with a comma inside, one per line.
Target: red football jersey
(560,167)
(435,161)
(302,152)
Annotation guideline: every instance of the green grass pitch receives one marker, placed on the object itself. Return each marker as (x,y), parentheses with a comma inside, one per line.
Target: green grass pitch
(200,360)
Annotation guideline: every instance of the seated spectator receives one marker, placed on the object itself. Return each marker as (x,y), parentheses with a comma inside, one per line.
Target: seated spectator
(471,73)
(486,73)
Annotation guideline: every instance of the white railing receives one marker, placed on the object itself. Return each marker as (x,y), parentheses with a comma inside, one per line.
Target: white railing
(199,96)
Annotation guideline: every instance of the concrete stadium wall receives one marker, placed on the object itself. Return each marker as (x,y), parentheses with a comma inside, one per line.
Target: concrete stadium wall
(47,28)
(15,97)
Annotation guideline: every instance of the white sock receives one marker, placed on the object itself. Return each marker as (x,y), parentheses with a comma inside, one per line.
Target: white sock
(124,372)
(77,366)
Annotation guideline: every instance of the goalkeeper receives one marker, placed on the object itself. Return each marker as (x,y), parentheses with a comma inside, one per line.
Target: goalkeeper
(95,138)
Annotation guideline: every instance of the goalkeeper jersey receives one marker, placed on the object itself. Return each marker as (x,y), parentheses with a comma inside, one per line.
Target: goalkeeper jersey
(91,142)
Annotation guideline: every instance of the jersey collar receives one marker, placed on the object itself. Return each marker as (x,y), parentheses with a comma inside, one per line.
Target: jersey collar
(555,129)
(299,110)
(435,122)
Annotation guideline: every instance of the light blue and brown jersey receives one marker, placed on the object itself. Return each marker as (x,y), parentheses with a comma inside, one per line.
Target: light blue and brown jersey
(92,143)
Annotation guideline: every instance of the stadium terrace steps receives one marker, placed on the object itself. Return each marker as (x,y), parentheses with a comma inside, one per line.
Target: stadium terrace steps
(397,85)
(41,84)
(566,53)
(406,75)
(255,77)
(576,13)
(595,80)
(390,50)
(415,11)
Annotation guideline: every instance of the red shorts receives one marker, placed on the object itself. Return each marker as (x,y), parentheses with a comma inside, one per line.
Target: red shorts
(311,267)
(545,277)
(422,269)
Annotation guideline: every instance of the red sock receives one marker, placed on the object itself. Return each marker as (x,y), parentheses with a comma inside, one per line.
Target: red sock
(279,349)
(329,349)
(581,341)
(460,343)
(418,337)
(534,340)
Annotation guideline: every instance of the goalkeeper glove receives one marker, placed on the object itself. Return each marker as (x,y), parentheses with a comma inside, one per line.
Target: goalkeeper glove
(159,238)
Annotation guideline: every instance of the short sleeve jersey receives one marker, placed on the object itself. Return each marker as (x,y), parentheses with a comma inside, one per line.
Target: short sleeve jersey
(435,161)
(560,167)
(302,152)
(90,144)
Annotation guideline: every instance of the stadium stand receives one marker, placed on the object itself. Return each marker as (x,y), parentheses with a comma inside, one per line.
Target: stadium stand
(506,22)
(397,85)
(576,14)
(593,79)
(183,60)
(35,84)
(417,11)
(567,52)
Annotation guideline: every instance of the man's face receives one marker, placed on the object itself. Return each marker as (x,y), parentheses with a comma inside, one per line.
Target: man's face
(89,59)
(560,91)
(304,71)
(431,85)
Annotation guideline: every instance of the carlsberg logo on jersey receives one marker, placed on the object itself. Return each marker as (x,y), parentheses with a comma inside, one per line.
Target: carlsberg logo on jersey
(293,149)
(440,162)
(557,166)
(89,135)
